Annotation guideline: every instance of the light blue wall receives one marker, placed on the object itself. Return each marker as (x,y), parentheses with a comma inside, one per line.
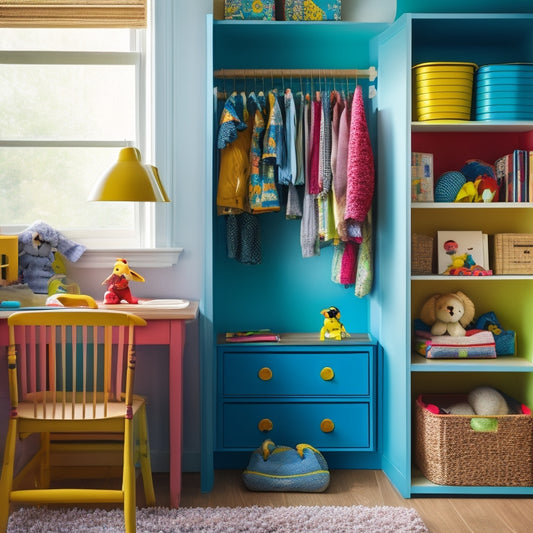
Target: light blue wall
(180,42)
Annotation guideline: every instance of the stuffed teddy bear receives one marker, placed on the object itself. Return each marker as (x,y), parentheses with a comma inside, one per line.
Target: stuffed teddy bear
(37,245)
(448,313)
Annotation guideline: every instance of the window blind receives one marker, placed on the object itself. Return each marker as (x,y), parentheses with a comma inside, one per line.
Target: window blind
(73,13)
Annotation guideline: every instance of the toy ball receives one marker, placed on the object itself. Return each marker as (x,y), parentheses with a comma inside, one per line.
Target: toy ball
(475,168)
(448,186)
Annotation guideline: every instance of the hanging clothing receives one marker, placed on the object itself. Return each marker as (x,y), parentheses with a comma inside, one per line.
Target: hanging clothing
(243,240)
(287,169)
(263,192)
(360,177)
(337,105)
(233,140)
(340,175)
(300,140)
(314,146)
(365,260)
(324,174)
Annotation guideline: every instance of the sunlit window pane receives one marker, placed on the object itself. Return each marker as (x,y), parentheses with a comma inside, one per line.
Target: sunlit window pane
(76,102)
(53,184)
(79,39)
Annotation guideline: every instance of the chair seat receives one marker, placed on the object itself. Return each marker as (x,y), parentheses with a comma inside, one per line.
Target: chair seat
(50,411)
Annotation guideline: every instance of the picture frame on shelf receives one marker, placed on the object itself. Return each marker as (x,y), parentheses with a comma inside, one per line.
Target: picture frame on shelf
(462,252)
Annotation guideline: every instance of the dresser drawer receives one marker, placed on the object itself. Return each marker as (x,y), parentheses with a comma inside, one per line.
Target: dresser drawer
(279,373)
(324,425)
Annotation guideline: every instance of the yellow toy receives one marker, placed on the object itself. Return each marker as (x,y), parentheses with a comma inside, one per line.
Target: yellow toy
(333,327)
(59,283)
(118,281)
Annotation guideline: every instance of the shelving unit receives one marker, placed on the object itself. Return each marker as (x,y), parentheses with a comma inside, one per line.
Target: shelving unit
(414,39)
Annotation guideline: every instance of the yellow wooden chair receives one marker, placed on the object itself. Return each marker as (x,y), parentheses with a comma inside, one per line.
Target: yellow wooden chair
(72,372)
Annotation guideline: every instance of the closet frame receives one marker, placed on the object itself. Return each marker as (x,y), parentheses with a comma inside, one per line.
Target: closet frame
(323,49)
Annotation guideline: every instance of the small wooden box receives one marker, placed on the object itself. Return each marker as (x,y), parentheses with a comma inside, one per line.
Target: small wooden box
(513,253)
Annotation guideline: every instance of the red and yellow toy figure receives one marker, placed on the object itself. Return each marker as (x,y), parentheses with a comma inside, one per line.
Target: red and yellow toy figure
(118,283)
(333,327)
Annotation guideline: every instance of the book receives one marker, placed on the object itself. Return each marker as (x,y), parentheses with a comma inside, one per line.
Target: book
(421,177)
(512,176)
(461,250)
(261,335)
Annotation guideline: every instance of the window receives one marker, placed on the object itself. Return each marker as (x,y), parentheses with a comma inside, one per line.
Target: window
(71,98)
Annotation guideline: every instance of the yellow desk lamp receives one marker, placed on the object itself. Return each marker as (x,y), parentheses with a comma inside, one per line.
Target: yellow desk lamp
(129,180)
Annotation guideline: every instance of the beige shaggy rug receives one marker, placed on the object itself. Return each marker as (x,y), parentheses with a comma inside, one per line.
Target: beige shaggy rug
(300,519)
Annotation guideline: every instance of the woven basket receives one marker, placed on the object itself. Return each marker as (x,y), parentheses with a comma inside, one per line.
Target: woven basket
(513,253)
(449,452)
(421,254)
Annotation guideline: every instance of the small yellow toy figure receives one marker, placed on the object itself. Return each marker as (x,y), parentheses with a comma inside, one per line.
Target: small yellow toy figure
(333,327)
(118,281)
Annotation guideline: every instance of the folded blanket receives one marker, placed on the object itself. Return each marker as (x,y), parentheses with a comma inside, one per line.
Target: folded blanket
(479,345)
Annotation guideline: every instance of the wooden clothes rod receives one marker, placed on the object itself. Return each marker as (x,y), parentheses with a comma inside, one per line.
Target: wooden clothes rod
(371,73)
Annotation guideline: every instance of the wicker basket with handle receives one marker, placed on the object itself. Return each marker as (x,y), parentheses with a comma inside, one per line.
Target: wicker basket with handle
(450,450)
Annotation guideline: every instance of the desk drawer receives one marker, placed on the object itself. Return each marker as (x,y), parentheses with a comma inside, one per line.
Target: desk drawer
(349,424)
(280,373)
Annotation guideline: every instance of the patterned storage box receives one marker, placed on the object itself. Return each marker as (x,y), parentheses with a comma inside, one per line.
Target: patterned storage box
(310,10)
(513,253)
(472,450)
(249,9)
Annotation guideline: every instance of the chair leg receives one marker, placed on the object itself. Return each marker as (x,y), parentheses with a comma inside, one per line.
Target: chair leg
(128,479)
(6,479)
(44,478)
(144,459)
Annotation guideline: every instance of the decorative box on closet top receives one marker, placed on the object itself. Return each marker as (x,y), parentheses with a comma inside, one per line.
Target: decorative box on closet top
(299,389)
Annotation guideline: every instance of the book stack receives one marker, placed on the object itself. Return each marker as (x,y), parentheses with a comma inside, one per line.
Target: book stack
(260,335)
(514,176)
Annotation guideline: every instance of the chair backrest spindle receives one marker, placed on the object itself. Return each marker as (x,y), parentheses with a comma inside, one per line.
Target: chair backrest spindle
(69,360)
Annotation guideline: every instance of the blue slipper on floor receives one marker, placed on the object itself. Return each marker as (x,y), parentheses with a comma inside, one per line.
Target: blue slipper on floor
(282,469)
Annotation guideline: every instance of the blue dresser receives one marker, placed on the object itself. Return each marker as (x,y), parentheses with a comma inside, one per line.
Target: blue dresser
(297,390)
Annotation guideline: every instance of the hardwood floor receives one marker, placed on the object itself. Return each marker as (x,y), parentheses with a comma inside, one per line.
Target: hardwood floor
(348,487)
(364,487)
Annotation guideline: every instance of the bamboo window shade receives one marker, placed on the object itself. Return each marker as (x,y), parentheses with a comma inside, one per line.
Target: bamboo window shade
(73,13)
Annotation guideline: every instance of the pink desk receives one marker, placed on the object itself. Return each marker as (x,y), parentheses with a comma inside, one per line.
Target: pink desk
(165,325)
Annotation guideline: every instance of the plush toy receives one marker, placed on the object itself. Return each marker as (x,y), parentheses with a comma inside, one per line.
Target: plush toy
(37,245)
(333,327)
(448,313)
(118,283)
(484,401)
(59,283)
(280,468)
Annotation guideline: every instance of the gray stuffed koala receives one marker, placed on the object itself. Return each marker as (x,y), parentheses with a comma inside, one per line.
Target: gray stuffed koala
(37,245)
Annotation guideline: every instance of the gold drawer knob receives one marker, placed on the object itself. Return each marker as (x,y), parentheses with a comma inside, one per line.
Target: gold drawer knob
(265,425)
(327,373)
(327,425)
(265,373)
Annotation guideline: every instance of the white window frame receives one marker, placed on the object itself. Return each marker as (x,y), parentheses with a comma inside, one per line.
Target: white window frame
(100,244)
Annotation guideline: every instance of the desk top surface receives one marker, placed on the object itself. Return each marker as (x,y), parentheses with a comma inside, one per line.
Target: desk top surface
(156,310)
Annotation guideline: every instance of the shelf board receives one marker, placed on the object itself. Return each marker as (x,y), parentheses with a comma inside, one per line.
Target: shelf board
(505,363)
(472,126)
(421,485)
(442,277)
(471,205)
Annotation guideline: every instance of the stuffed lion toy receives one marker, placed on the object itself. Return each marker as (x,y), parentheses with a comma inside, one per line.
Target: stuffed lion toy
(448,313)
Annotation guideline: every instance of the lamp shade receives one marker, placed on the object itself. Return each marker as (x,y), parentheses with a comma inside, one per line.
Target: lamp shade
(128,180)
